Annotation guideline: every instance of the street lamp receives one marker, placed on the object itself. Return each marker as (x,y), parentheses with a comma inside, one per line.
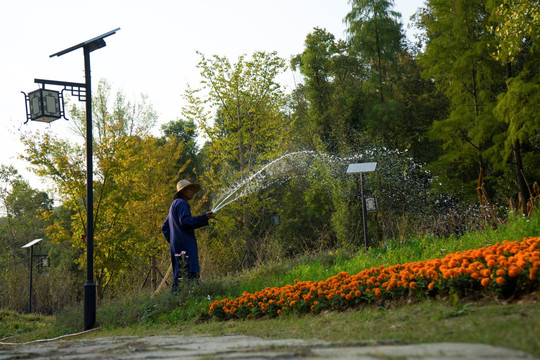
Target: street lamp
(363,168)
(41,103)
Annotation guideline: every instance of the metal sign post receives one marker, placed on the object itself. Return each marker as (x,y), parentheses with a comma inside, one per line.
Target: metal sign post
(362,168)
(30,246)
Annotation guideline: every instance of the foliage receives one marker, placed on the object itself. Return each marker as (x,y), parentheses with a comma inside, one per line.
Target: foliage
(241,110)
(375,33)
(485,115)
(134,177)
(517,26)
(22,223)
(185,132)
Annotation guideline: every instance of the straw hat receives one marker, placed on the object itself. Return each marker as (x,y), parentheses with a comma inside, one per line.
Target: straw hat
(182,184)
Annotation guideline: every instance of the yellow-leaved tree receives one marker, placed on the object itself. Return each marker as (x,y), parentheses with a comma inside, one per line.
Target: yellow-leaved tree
(134,179)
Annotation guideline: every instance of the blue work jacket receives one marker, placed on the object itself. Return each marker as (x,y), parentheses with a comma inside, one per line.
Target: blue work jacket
(179,230)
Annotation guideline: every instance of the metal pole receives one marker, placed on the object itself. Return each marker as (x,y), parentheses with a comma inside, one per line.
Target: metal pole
(31,268)
(364,217)
(89,286)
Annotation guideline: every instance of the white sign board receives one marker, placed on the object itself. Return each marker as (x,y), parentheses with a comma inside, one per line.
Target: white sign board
(361,167)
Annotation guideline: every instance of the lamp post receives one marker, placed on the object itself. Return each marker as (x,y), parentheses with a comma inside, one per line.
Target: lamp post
(43,107)
(362,168)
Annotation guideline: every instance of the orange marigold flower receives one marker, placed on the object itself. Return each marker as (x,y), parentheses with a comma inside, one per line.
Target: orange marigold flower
(513,271)
(500,272)
(475,275)
(485,281)
(532,273)
(412,285)
(431,285)
(500,280)
(357,293)
(377,292)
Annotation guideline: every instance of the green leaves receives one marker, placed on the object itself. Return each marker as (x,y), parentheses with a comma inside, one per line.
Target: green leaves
(240,108)
(134,179)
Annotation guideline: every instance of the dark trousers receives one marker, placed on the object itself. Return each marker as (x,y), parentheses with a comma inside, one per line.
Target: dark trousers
(181,271)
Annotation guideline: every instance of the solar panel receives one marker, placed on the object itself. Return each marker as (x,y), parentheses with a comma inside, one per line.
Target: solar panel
(32,243)
(98,40)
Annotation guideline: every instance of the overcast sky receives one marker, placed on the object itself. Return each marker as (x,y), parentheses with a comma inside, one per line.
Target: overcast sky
(154,51)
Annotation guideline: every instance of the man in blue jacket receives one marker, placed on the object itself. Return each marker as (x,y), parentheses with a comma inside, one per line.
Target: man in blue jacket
(179,230)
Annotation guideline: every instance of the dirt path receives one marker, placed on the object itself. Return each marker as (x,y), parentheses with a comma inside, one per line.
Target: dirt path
(246,347)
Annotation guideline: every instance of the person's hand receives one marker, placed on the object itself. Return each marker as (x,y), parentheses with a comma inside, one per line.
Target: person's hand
(210,214)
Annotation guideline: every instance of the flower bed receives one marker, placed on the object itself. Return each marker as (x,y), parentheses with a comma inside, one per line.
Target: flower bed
(507,268)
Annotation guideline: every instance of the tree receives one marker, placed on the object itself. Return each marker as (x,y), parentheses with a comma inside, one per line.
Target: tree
(516,38)
(333,92)
(185,132)
(20,223)
(21,208)
(240,109)
(457,59)
(377,38)
(376,34)
(516,28)
(130,168)
(341,111)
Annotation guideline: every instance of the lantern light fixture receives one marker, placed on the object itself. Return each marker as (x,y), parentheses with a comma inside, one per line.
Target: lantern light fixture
(45,105)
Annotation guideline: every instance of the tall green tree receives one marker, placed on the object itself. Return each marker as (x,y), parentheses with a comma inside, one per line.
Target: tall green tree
(376,37)
(457,59)
(516,38)
(330,103)
(241,111)
(375,33)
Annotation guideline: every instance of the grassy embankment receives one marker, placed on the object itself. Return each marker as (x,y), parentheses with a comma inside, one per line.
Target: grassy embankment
(482,317)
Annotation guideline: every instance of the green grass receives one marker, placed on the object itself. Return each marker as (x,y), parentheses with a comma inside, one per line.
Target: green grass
(13,324)
(500,322)
(513,325)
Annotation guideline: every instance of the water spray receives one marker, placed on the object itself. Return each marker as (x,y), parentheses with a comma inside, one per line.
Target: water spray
(260,179)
